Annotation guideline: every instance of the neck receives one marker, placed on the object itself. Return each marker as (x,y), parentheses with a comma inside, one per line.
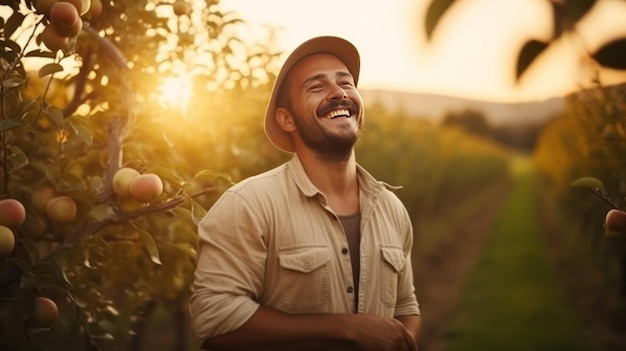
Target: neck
(336,179)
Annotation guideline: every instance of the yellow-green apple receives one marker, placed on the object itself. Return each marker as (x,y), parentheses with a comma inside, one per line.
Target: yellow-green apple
(122,179)
(61,209)
(7,241)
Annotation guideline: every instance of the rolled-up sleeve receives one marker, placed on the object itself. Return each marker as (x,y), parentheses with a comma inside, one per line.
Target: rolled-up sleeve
(230,268)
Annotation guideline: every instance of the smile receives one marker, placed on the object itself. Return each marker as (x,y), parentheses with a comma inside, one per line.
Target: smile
(338,113)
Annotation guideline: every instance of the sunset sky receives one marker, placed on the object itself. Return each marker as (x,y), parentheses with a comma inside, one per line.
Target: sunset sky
(472,53)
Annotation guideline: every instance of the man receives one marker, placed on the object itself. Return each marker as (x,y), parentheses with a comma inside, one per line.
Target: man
(314,254)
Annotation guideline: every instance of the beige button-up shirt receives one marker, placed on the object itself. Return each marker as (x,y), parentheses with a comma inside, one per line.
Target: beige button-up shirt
(272,240)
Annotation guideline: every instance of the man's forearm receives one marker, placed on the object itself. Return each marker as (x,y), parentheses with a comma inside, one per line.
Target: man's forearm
(273,330)
(413,323)
(269,329)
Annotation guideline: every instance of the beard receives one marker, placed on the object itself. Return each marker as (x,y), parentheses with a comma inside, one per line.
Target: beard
(329,146)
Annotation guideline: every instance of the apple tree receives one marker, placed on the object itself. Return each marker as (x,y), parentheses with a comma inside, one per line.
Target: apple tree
(98,204)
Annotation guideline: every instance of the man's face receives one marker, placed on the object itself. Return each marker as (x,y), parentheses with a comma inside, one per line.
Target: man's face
(326,107)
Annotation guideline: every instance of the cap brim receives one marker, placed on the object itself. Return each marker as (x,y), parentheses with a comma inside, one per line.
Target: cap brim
(341,48)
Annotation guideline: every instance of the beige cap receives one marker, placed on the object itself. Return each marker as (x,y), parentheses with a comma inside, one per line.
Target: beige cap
(338,47)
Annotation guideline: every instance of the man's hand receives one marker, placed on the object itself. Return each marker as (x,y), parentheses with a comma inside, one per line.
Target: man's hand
(373,333)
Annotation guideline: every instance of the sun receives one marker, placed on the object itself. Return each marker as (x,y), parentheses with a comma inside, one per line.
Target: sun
(176,91)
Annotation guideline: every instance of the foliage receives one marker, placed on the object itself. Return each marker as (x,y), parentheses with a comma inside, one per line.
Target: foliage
(565,15)
(436,165)
(88,110)
(584,148)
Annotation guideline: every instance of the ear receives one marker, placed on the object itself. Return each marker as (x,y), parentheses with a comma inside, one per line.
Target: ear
(285,119)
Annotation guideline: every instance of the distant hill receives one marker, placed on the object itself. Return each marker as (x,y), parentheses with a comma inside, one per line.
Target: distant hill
(434,107)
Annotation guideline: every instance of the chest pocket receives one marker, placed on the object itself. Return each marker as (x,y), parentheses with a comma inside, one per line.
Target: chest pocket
(393,262)
(304,279)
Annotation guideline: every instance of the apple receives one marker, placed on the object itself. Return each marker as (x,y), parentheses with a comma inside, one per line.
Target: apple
(7,241)
(122,179)
(61,209)
(82,6)
(181,8)
(73,30)
(63,16)
(146,187)
(95,10)
(615,220)
(45,313)
(12,213)
(52,39)
(41,196)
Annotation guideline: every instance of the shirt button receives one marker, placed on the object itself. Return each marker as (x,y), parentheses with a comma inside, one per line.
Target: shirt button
(344,251)
(350,290)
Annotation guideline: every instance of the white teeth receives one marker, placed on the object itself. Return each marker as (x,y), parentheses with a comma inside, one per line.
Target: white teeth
(337,113)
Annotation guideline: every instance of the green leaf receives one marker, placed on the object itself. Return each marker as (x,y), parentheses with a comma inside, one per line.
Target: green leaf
(434,13)
(55,113)
(77,301)
(13,23)
(591,183)
(82,132)
(197,212)
(166,174)
(15,47)
(612,55)
(149,243)
(214,176)
(17,159)
(55,271)
(29,249)
(529,53)
(50,68)
(12,84)
(41,53)
(11,123)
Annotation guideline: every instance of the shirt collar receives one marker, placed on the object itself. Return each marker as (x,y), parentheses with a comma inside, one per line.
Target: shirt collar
(367,183)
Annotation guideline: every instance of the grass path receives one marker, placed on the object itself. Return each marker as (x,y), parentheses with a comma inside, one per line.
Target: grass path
(511,299)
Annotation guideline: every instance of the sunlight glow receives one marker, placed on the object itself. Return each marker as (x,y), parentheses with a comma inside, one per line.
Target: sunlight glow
(176,92)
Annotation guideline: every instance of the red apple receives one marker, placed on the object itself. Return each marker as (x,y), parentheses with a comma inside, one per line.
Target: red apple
(45,313)
(615,220)
(12,213)
(53,39)
(63,16)
(146,187)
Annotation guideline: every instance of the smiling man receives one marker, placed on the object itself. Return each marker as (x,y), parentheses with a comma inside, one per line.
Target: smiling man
(314,254)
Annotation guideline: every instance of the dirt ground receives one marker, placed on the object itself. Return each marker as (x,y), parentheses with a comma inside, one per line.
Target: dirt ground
(440,274)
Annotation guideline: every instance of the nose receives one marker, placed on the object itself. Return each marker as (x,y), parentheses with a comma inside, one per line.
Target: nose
(338,93)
